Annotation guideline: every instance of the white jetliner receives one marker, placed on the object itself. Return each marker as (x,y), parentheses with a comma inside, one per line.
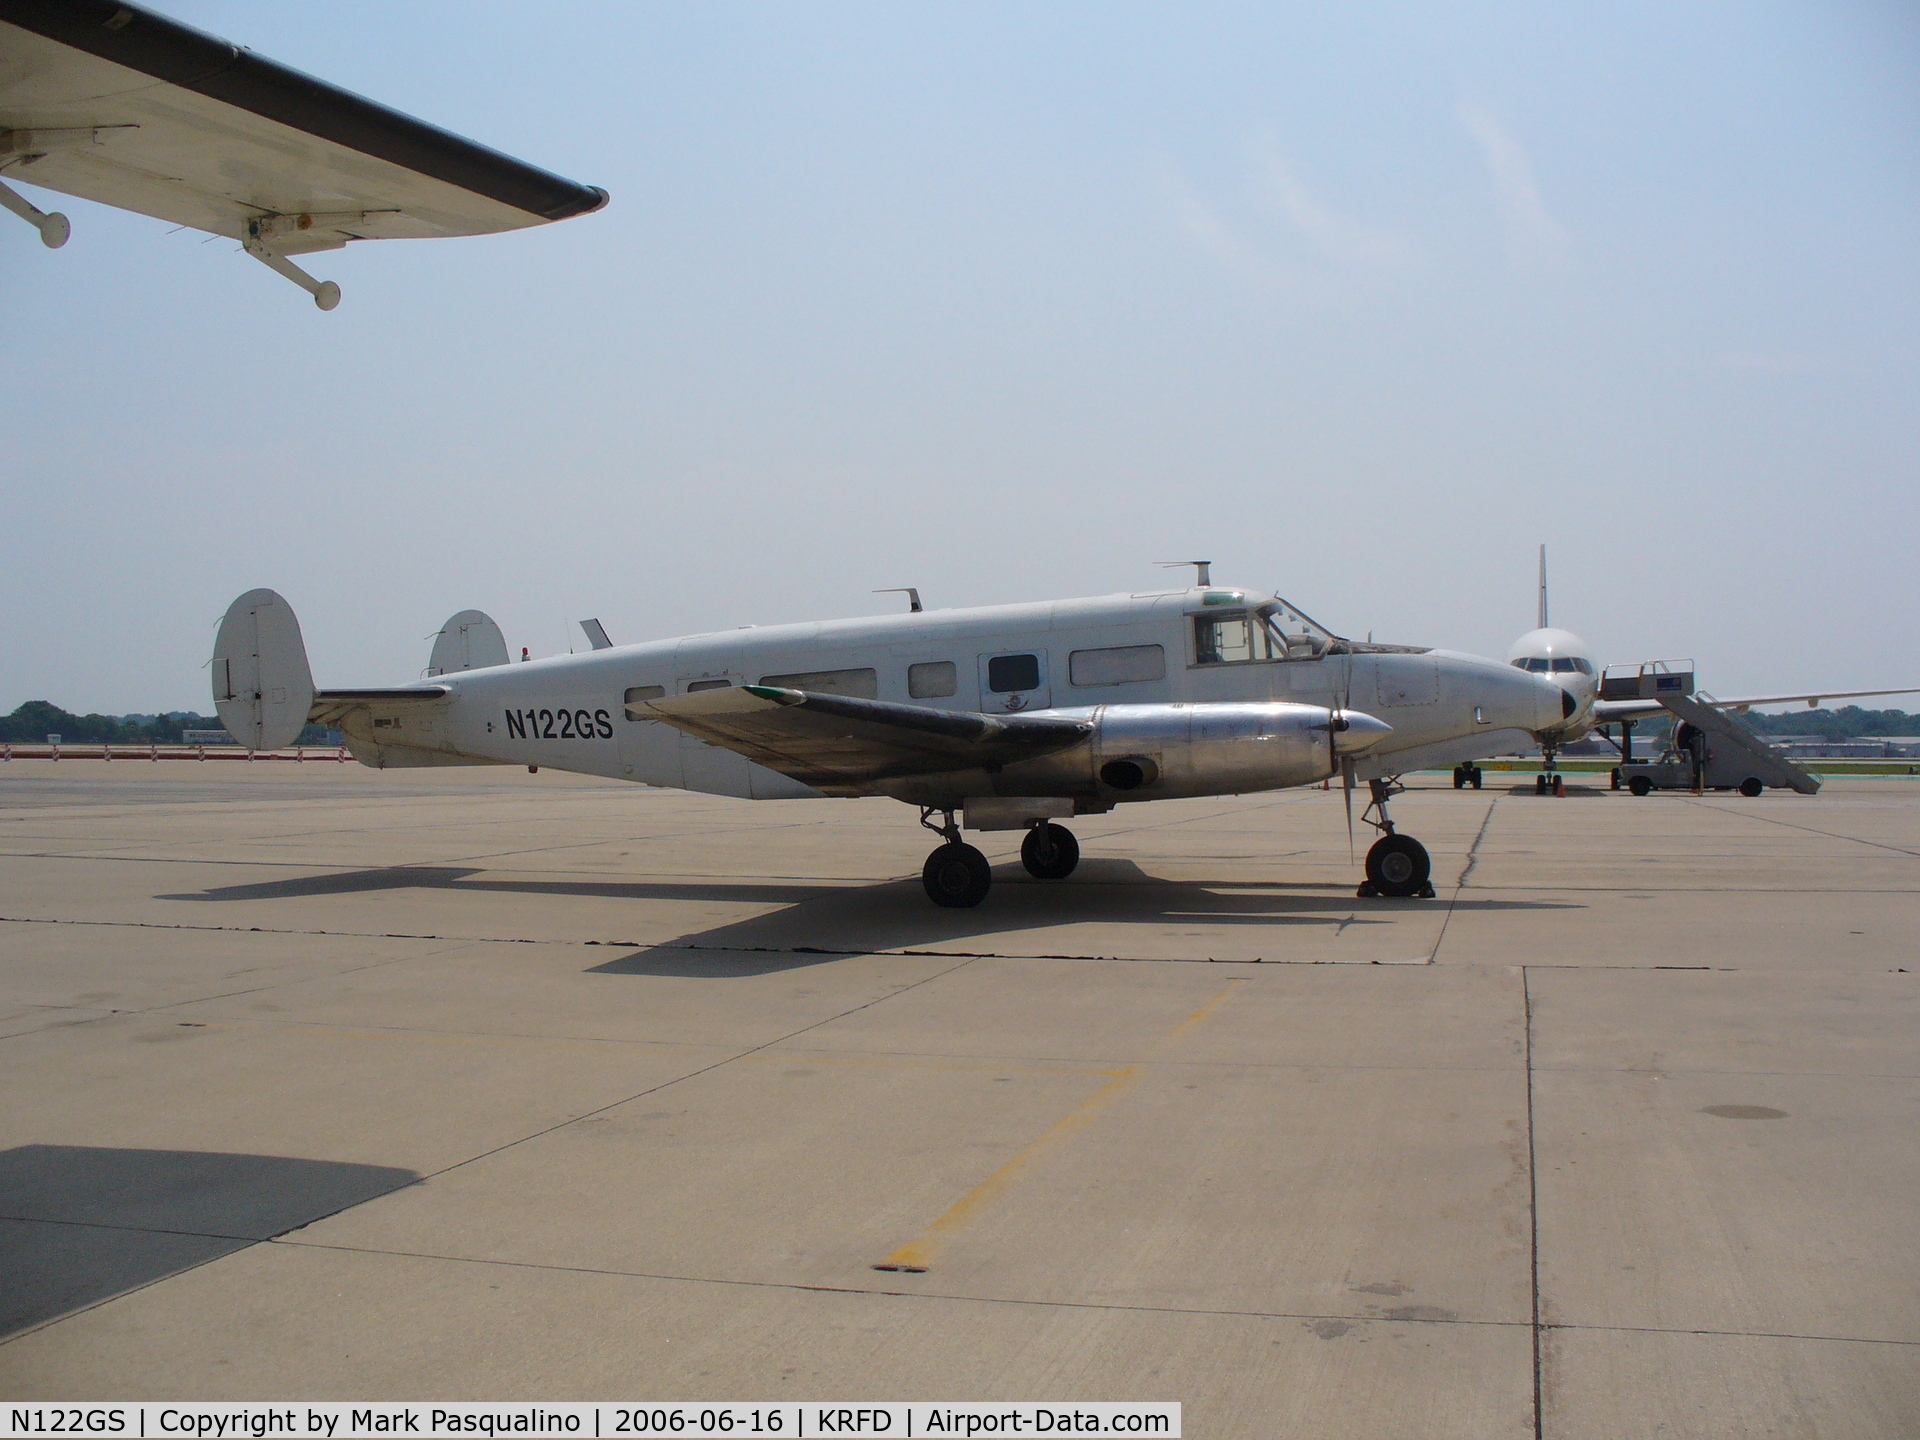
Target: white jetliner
(1564,658)
(118,104)
(1008,716)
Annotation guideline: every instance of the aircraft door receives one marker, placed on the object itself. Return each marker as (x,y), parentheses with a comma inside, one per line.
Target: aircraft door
(711,769)
(1012,683)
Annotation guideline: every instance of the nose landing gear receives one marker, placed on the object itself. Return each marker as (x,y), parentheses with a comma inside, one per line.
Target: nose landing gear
(1397,865)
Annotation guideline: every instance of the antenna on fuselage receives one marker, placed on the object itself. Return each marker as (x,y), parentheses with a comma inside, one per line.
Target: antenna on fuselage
(913,596)
(1205,567)
(1543,588)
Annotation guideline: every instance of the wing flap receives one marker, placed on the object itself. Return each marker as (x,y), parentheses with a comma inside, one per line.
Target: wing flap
(840,741)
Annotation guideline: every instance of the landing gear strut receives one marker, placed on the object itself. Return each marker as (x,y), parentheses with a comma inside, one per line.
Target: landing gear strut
(1550,781)
(956,875)
(1397,865)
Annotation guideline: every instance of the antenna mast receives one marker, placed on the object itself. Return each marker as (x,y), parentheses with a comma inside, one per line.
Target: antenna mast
(1543,587)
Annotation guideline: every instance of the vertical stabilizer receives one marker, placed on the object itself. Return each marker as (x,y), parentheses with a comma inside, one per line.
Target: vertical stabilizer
(469,641)
(262,686)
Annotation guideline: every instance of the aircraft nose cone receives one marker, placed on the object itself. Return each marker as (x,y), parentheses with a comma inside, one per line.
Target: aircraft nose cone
(1354,731)
(1551,704)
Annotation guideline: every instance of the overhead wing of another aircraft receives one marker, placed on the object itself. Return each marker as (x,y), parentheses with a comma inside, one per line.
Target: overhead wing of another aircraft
(841,741)
(118,104)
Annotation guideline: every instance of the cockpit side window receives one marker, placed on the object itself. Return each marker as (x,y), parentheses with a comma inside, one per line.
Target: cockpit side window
(1230,639)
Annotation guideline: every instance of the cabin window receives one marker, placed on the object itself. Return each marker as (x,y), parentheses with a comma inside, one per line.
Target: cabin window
(932,679)
(1008,673)
(1118,665)
(1229,640)
(865,684)
(693,685)
(637,697)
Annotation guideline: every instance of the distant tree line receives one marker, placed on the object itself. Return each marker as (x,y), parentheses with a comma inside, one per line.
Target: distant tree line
(37,719)
(1843,724)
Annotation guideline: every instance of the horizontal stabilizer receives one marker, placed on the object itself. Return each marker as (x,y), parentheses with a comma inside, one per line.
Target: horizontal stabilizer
(331,707)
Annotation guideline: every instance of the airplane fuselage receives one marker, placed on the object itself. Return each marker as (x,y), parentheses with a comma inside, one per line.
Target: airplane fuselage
(1099,657)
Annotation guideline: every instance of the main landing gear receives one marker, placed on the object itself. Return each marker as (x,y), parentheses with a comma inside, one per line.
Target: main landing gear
(1397,865)
(1465,775)
(957,875)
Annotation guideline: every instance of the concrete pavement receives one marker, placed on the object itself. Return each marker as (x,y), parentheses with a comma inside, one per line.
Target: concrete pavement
(474,1084)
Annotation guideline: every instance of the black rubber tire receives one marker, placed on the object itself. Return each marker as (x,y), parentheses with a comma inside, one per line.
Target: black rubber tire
(1540,784)
(1616,777)
(956,876)
(1398,865)
(1560,786)
(1751,787)
(1459,777)
(1476,777)
(1066,852)
(1640,785)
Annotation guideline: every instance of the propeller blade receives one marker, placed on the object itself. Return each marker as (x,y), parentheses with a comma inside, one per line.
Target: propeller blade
(1346,789)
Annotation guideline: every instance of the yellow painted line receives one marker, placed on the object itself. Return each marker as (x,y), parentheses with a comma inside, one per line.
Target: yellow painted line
(918,1254)
(914,1062)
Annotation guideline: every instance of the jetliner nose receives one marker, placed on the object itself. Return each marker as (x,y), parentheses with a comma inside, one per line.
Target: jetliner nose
(1551,704)
(1354,731)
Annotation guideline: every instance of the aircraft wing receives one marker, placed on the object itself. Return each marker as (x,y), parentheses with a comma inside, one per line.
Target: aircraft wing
(118,104)
(1606,712)
(839,741)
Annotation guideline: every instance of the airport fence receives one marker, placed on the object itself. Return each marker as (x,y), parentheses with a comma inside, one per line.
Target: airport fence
(296,753)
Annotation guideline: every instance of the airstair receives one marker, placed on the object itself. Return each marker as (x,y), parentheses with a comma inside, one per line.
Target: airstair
(1711,750)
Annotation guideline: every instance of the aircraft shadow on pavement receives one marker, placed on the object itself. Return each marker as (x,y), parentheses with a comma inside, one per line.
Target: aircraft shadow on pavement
(453,877)
(821,920)
(80,1224)
(896,915)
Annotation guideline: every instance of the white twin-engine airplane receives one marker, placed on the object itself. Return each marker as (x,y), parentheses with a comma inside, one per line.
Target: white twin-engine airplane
(1009,716)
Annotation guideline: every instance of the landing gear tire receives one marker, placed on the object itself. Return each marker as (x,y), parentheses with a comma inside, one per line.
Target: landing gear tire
(1474,779)
(1539,784)
(957,876)
(1049,852)
(1751,787)
(1399,866)
(1616,777)
(1640,785)
(1459,777)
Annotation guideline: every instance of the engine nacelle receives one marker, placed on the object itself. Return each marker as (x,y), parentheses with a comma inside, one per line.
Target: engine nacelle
(1158,751)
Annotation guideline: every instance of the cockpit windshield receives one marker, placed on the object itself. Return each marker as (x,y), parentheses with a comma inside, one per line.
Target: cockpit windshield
(1295,635)
(1556,665)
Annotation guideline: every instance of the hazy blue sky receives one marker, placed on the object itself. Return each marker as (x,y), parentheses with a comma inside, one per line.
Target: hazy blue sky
(1008,303)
